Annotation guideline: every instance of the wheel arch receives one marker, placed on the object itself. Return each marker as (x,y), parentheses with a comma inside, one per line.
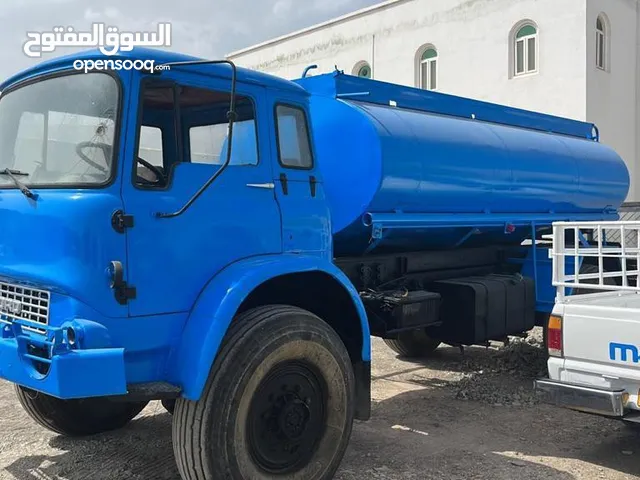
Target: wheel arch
(297,280)
(321,294)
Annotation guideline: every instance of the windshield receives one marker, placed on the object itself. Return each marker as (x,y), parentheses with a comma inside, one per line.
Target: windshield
(59,131)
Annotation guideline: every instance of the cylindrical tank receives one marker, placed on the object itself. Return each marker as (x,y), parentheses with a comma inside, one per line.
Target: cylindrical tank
(380,159)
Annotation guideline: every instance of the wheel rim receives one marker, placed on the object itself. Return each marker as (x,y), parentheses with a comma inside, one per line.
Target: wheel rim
(287,417)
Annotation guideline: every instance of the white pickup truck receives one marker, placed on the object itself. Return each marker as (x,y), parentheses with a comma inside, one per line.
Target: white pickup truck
(593,335)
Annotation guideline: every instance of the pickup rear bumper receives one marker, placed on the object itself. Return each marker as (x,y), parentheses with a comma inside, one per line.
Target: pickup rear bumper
(610,403)
(48,363)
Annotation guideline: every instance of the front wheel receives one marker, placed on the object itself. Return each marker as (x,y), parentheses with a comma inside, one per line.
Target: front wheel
(80,417)
(279,402)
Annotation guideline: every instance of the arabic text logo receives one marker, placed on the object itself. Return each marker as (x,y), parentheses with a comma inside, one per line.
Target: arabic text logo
(109,40)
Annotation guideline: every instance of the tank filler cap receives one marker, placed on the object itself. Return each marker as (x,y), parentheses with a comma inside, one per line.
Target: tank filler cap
(308,69)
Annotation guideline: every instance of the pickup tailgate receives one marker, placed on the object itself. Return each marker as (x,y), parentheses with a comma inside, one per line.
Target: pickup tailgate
(601,336)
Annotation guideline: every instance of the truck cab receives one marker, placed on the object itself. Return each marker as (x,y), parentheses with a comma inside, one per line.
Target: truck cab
(155,227)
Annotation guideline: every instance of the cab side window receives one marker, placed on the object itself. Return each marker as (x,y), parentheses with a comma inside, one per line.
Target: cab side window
(157,144)
(184,124)
(203,118)
(208,143)
(151,150)
(294,146)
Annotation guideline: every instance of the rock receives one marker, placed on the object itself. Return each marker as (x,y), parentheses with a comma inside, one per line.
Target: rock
(483,376)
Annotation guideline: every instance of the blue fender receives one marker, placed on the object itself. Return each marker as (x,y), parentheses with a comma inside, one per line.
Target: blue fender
(217,305)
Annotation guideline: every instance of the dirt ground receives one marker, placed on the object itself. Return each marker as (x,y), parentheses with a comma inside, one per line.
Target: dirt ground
(470,416)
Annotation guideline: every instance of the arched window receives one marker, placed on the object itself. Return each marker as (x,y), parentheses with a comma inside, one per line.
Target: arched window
(602,35)
(526,50)
(365,71)
(428,69)
(362,69)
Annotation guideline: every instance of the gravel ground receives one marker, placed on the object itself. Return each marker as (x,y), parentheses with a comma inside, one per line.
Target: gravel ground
(455,416)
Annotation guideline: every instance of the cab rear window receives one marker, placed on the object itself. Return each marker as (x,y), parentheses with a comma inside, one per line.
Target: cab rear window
(294,147)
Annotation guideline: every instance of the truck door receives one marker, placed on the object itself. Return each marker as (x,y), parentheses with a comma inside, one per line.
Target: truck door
(180,142)
(299,190)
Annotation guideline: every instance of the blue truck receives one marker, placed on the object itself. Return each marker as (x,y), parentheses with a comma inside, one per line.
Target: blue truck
(227,242)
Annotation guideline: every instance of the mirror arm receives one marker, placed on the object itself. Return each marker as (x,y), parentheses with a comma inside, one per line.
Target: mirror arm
(231,116)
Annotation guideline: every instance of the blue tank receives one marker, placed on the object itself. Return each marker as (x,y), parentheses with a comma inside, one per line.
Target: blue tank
(422,160)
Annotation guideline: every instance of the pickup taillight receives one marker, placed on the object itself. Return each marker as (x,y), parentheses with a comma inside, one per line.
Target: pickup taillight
(554,336)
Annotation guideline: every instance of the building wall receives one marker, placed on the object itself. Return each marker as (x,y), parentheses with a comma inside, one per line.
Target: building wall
(472,39)
(612,94)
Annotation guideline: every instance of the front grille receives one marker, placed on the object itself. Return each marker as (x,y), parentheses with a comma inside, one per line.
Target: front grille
(18,302)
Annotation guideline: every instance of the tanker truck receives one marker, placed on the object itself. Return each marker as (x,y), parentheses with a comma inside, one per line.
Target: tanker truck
(227,242)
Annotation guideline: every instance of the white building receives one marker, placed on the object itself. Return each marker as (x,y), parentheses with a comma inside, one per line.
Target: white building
(574,58)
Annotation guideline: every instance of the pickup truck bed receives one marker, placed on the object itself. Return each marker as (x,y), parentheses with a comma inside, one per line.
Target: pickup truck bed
(599,370)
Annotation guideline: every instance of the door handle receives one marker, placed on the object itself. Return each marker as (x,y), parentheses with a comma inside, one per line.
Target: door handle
(268,186)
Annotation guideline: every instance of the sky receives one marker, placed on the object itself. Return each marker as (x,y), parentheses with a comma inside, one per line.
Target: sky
(205,28)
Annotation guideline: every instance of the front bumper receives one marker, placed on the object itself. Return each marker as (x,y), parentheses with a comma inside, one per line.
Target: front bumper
(605,402)
(49,364)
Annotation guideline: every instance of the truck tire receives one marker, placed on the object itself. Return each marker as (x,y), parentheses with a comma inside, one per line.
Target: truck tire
(278,403)
(77,418)
(413,344)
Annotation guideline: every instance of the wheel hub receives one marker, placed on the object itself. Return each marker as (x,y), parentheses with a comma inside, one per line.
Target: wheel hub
(287,417)
(293,418)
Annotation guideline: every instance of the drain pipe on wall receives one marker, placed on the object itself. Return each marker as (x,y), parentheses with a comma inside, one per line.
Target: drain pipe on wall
(373,56)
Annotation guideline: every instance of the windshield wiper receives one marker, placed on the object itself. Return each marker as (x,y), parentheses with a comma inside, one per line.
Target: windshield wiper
(13,175)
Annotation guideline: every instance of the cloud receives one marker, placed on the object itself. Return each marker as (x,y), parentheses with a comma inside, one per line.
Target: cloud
(282,7)
(332,5)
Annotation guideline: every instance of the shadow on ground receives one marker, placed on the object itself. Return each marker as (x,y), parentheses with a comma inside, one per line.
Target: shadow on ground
(142,450)
(426,431)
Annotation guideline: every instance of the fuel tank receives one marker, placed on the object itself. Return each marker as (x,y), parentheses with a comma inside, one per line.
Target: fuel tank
(412,156)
